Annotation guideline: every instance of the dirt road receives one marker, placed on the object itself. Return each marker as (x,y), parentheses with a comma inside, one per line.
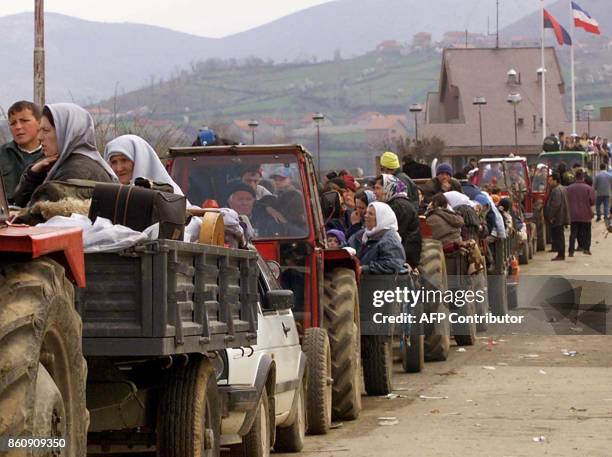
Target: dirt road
(520,394)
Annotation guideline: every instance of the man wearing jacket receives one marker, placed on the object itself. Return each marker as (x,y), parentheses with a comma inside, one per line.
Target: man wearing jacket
(390,165)
(556,213)
(25,149)
(581,199)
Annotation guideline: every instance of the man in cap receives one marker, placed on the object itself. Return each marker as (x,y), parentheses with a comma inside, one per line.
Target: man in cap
(390,165)
(557,215)
(242,199)
(442,182)
(281,178)
(25,149)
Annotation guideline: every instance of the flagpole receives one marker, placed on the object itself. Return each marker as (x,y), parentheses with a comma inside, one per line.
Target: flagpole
(573,70)
(543,76)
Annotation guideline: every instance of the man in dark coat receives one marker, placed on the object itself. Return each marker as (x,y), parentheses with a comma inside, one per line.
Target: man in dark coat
(443,182)
(25,149)
(390,165)
(556,213)
(581,199)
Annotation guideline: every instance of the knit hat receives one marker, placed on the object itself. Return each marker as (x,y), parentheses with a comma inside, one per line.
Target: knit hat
(444,168)
(389,160)
(350,182)
(338,235)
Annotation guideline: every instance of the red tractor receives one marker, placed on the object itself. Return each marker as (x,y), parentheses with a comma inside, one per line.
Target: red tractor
(42,369)
(289,229)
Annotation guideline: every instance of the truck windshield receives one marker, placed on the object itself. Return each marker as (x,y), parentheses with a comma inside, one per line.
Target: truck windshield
(503,176)
(266,188)
(553,160)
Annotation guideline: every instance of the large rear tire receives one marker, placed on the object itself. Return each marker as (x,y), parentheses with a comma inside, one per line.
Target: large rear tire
(413,353)
(341,312)
(319,382)
(377,355)
(433,273)
(42,369)
(189,414)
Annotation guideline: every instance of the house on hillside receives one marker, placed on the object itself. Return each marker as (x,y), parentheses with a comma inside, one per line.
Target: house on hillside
(365,117)
(421,40)
(494,74)
(387,129)
(389,46)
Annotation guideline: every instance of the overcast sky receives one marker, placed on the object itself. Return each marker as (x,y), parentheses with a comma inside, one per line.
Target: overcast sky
(211,18)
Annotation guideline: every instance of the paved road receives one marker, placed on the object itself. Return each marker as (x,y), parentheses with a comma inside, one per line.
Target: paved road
(511,395)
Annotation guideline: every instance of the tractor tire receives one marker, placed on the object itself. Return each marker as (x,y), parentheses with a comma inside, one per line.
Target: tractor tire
(523,255)
(513,296)
(42,369)
(319,382)
(433,271)
(465,334)
(377,359)
(498,294)
(188,412)
(291,438)
(413,353)
(341,317)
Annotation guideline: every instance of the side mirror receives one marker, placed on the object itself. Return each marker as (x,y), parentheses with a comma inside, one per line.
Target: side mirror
(279,300)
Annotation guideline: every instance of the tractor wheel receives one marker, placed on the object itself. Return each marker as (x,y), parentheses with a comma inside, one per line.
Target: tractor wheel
(523,256)
(413,353)
(42,369)
(291,438)
(465,334)
(433,273)
(189,413)
(513,296)
(319,382)
(498,293)
(540,236)
(377,354)
(341,308)
(482,308)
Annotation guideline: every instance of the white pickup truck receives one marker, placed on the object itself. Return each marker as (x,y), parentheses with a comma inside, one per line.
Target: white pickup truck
(265,383)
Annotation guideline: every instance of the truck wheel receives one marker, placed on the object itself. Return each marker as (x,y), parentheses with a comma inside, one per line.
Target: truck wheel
(42,369)
(433,273)
(256,443)
(523,256)
(188,413)
(513,296)
(498,294)
(291,439)
(465,334)
(319,382)
(377,357)
(340,303)
(413,353)
(482,307)
(541,240)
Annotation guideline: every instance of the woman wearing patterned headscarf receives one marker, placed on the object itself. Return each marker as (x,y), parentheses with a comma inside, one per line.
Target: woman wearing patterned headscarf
(392,191)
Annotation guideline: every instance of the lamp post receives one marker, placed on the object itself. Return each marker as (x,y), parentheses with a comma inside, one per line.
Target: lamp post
(588,109)
(480,101)
(253,125)
(416,108)
(39,52)
(317,118)
(515,99)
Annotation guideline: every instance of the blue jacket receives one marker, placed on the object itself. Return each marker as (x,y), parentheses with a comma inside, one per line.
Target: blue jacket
(382,254)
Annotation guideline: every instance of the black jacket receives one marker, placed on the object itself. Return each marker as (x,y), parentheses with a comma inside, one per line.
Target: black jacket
(77,166)
(409,228)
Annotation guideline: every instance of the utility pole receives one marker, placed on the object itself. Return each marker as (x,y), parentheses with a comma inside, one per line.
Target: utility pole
(39,53)
(497,26)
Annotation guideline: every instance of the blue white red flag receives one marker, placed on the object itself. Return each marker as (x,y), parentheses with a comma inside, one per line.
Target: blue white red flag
(584,20)
(551,23)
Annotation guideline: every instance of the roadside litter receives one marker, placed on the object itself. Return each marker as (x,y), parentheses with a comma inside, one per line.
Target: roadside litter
(529,356)
(542,372)
(488,367)
(539,439)
(569,353)
(336,425)
(387,421)
(394,396)
(461,350)
(578,410)
(425,397)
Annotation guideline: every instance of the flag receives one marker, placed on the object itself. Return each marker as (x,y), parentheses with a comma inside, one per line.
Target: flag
(551,23)
(584,20)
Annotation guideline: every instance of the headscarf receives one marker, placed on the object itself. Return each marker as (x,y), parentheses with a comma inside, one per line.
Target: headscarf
(146,162)
(500,229)
(393,188)
(385,220)
(455,199)
(338,235)
(370,196)
(74,129)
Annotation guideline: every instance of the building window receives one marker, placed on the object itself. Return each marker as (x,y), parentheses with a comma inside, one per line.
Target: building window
(520,121)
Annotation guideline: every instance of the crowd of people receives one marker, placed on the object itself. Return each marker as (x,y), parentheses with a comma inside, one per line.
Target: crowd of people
(584,143)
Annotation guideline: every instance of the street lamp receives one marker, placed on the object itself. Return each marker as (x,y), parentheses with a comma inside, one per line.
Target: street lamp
(588,109)
(480,101)
(416,108)
(515,99)
(253,125)
(318,117)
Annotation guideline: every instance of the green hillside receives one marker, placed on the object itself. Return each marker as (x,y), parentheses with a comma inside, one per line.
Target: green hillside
(341,88)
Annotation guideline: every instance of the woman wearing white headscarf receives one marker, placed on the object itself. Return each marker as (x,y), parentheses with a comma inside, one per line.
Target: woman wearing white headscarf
(68,139)
(378,245)
(131,157)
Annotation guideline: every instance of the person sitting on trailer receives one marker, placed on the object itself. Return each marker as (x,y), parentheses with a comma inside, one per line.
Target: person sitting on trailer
(442,182)
(444,222)
(68,139)
(378,245)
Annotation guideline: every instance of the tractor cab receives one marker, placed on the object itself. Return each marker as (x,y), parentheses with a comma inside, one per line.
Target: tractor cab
(510,176)
(589,161)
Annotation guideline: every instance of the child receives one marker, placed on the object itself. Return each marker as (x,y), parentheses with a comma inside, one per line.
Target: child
(335,239)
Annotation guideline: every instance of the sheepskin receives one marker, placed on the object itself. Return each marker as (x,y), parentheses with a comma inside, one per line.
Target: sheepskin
(64,207)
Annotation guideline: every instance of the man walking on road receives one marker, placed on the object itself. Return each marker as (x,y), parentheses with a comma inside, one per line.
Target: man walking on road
(556,213)
(602,185)
(581,198)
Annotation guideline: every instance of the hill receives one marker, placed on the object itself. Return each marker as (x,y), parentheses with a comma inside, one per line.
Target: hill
(88,61)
